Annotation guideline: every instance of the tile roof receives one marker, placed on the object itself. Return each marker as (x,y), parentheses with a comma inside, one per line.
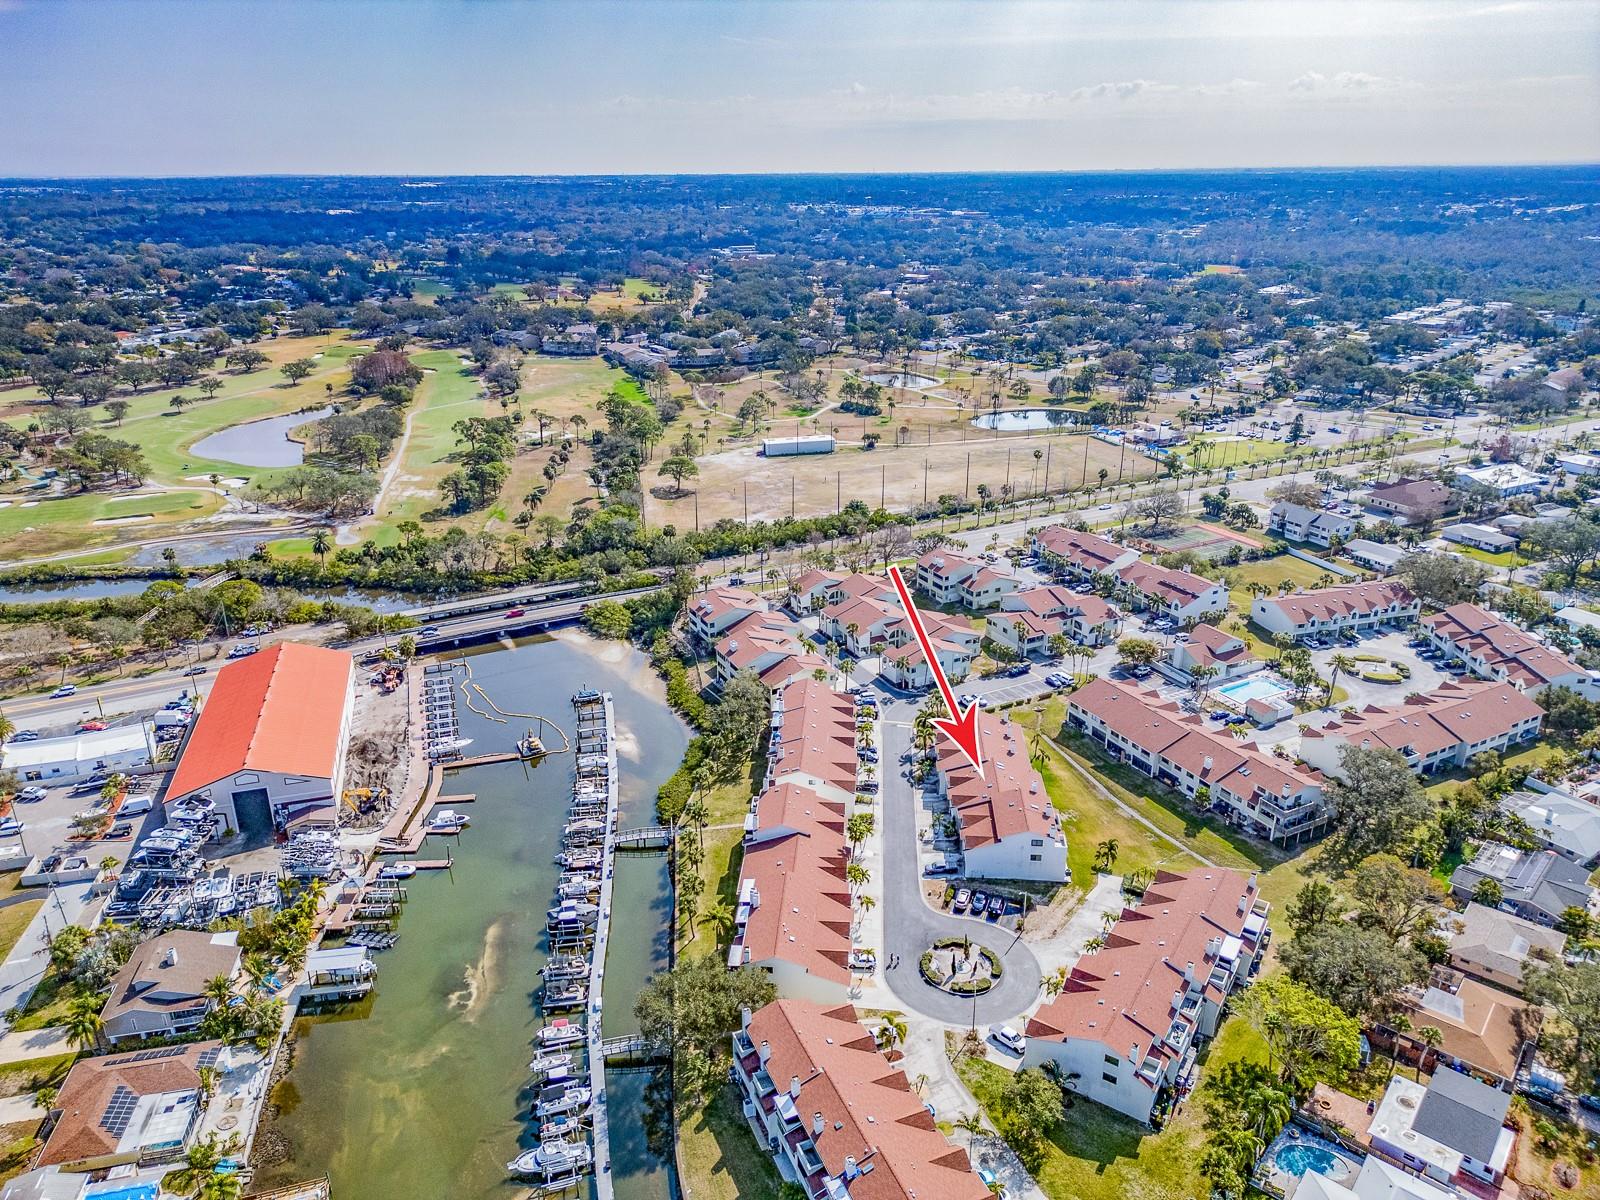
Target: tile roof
(817,736)
(804,911)
(1503,646)
(1087,550)
(1341,601)
(1176,587)
(1009,800)
(1209,646)
(1452,714)
(870,1115)
(1122,995)
(281,709)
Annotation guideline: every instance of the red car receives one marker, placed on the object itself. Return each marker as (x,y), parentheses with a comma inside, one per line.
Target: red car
(516,612)
(91,727)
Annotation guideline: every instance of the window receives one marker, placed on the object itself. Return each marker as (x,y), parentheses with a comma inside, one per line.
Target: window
(1105,1078)
(1112,1060)
(1035,858)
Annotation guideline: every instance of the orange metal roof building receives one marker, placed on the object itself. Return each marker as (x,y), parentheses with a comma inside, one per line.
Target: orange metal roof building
(279,710)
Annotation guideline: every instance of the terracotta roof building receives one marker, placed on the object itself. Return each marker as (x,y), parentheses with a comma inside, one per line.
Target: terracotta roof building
(1433,732)
(1125,1023)
(269,744)
(844,1120)
(1332,611)
(1078,554)
(1492,648)
(1007,825)
(1181,595)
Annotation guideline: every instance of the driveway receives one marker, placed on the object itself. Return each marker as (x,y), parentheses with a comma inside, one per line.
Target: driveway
(1425,676)
(911,926)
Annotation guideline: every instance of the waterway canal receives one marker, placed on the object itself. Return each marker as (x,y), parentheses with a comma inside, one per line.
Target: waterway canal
(422,1090)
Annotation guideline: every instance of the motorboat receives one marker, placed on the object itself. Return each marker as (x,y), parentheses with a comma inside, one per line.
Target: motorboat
(549,1064)
(578,889)
(551,1159)
(564,994)
(581,858)
(586,825)
(562,1098)
(566,966)
(573,912)
(397,870)
(448,820)
(564,1126)
(561,1032)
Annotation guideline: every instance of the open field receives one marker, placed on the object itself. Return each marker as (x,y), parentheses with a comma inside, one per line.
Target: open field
(56,525)
(449,392)
(899,478)
(1271,572)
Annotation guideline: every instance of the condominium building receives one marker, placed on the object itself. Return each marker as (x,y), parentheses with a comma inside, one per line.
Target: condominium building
(1493,648)
(1326,612)
(1007,826)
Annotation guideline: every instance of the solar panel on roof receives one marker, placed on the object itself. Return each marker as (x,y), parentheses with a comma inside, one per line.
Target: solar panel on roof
(150,1055)
(208,1058)
(119,1111)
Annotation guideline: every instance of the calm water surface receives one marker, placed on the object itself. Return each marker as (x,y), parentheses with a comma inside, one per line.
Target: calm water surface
(422,1090)
(264,443)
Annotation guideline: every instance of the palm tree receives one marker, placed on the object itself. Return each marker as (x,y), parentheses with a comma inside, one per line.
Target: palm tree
(1266,1110)
(1430,1037)
(321,543)
(199,1165)
(856,875)
(7,727)
(893,1030)
(972,1125)
(1339,662)
(218,988)
(720,917)
(1105,856)
(1055,982)
(83,1023)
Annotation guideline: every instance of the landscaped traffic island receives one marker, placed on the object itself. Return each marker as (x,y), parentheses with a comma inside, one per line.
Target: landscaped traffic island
(956,966)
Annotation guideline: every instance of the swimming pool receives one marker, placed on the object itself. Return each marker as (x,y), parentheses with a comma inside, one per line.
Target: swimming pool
(1300,1158)
(1255,688)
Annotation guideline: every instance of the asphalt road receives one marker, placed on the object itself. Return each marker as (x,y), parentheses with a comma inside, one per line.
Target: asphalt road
(910,925)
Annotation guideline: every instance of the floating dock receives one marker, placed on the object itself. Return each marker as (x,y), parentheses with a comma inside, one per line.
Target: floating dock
(597,962)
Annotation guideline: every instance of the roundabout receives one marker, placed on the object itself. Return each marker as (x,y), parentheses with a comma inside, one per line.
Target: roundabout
(961,967)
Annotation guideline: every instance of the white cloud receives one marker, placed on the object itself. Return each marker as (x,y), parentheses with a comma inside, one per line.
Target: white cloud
(1344,81)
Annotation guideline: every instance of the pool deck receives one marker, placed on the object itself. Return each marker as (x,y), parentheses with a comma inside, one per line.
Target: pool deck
(1295,1136)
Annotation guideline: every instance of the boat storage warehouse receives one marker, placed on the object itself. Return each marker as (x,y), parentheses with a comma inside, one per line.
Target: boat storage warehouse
(270,741)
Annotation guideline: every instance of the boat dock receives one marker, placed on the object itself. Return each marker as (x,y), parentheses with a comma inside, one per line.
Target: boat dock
(587,745)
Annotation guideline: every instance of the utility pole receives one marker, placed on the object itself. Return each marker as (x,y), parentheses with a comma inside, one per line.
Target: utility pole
(966,488)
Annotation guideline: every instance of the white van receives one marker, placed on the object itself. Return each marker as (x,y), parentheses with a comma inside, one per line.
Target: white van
(134,805)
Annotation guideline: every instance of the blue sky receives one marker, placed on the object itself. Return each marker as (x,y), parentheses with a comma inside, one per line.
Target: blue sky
(109,87)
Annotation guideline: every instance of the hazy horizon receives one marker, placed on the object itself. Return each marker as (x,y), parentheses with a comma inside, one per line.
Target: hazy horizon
(163,89)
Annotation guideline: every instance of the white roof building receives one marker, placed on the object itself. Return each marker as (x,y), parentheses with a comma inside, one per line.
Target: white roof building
(69,759)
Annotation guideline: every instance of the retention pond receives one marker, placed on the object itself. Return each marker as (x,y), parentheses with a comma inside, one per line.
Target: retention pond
(422,1089)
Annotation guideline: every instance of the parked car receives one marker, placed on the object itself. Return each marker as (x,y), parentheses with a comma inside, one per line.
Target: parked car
(1008,1038)
(120,831)
(195,670)
(867,785)
(867,754)
(979,900)
(1017,670)
(29,795)
(997,906)
(92,727)
(25,735)
(1057,680)
(940,868)
(9,826)
(66,689)
(963,898)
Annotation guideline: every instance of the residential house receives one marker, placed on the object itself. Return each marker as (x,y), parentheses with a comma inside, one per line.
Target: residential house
(161,990)
(1451,1130)
(1080,555)
(1479,537)
(1271,797)
(1377,1180)
(1125,1025)
(795,915)
(1505,479)
(1435,731)
(1537,885)
(759,641)
(837,1115)
(1181,595)
(813,740)
(1374,556)
(1493,648)
(951,577)
(814,590)
(1495,946)
(1329,612)
(1566,825)
(1406,500)
(1208,646)
(1007,826)
(1028,619)
(860,624)
(1579,464)
(716,610)
(1319,526)
(129,1108)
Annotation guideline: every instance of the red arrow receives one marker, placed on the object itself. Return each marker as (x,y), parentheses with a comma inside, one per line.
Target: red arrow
(963,729)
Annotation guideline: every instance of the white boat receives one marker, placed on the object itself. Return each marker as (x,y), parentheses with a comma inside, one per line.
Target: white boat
(550,1064)
(397,870)
(573,912)
(577,889)
(565,1098)
(450,743)
(550,1159)
(448,820)
(561,1032)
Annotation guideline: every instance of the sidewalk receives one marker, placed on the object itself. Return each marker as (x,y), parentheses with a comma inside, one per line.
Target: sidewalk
(35,1043)
(21,972)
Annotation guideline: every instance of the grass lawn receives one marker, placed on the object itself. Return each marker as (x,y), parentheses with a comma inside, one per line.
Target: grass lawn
(719,1156)
(1504,560)
(49,1003)
(449,392)
(17,1145)
(30,1075)
(14,919)
(727,805)
(1271,572)
(54,525)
